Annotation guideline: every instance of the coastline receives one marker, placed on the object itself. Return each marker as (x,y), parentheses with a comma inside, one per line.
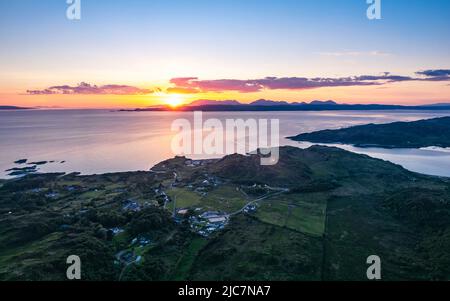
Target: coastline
(34,170)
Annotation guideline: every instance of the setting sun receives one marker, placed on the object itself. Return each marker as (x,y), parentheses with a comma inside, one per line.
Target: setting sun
(174,100)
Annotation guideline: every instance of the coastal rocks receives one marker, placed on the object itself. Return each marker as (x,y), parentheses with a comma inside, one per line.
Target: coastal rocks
(32,167)
(38,163)
(22,171)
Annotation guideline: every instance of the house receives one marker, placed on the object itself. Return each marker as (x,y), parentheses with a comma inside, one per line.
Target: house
(208,222)
(217,220)
(131,205)
(183,211)
(117,230)
(52,195)
(143,241)
(250,209)
(209,214)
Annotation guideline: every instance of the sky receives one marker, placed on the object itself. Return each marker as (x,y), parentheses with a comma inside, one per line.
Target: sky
(136,53)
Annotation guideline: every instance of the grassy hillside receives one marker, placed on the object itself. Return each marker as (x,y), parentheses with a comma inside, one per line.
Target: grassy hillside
(317,215)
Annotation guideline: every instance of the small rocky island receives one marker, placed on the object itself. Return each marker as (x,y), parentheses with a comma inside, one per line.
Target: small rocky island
(30,168)
(417,134)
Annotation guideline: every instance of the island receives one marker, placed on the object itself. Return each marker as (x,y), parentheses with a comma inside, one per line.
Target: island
(13,108)
(316,215)
(418,134)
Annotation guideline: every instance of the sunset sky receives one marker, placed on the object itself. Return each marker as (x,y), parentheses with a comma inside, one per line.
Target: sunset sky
(133,53)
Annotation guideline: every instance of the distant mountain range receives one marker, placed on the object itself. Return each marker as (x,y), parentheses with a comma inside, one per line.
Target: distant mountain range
(273,105)
(13,108)
(259,102)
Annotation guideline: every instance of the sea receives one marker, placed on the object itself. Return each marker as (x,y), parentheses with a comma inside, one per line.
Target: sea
(105,141)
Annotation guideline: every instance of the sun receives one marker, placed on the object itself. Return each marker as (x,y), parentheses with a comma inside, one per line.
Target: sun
(174,100)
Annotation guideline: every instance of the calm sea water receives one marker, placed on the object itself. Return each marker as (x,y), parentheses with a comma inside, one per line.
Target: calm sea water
(101,141)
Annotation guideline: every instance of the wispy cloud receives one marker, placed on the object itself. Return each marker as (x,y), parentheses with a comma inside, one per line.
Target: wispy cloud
(85,88)
(355,53)
(195,85)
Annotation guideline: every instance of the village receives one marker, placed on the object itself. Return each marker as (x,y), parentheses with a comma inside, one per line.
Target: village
(204,203)
(206,222)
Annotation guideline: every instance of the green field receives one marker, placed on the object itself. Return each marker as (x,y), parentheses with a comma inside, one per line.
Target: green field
(300,212)
(225,198)
(183,197)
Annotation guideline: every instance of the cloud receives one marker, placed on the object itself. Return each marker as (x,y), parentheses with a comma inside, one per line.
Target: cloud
(179,90)
(387,77)
(85,88)
(432,73)
(195,85)
(437,75)
(355,53)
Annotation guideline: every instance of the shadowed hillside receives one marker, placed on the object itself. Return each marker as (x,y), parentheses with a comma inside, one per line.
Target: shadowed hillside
(423,133)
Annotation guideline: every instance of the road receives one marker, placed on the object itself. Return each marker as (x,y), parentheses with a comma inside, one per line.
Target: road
(256,201)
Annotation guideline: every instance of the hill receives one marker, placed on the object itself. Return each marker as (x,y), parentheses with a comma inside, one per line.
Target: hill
(317,215)
(417,134)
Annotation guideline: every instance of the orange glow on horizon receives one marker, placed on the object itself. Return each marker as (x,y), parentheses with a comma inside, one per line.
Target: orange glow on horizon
(174,100)
(405,93)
